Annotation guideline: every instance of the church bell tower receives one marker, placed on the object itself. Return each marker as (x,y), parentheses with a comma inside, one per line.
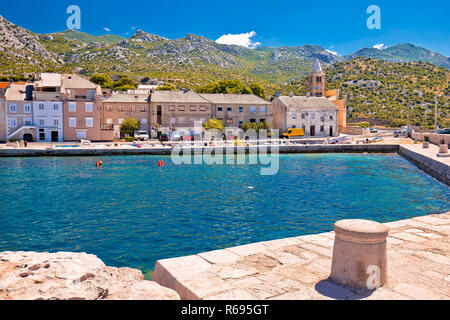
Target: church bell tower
(317,81)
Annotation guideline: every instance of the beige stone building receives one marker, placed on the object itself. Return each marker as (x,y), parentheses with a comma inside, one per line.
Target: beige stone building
(3,87)
(235,109)
(121,106)
(81,109)
(178,109)
(317,116)
(19,112)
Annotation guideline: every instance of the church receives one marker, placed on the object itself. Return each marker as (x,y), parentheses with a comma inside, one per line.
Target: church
(320,113)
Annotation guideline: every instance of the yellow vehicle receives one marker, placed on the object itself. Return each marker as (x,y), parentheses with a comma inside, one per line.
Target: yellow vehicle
(293,133)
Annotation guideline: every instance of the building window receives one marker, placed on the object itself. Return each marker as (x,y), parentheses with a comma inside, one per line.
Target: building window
(89,122)
(293,116)
(27,108)
(41,122)
(219,109)
(109,108)
(229,109)
(252,110)
(313,116)
(143,109)
(262,120)
(322,128)
(13,122)
(55,106)
(81,135)
(55,122)
(303,116)
(12,108)
(193,108)
(171,108)
(252,120)
(262,109)
(27,122)
(180,108)
(72,122)
(109,121)
(88,107)
(41,135)
(120,121)
(72,107)
(41,106)
(229,121)
(202,108)
(331,117)
(241,109)
(319,79)
(121,108)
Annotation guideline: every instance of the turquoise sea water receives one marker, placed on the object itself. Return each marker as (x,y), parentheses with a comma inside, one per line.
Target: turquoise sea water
(132,213)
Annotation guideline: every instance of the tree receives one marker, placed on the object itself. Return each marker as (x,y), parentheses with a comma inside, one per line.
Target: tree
(258,90)
(168,87)
(103,80)
(129,126)
(125,83)
(225,86)
(213,124)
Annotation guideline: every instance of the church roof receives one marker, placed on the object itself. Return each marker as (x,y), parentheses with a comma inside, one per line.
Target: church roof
(317,66)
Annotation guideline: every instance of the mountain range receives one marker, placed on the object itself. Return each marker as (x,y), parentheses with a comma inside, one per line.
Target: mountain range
(194,59)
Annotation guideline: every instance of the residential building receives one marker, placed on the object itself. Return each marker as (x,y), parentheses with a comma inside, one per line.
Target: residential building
(81,109)
(19,112)
(118,107)
(171,110)
(316,115)
(235,109)
(48,107)
(3,87)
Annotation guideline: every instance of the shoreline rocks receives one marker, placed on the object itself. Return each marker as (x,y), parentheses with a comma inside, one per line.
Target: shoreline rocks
(72,276)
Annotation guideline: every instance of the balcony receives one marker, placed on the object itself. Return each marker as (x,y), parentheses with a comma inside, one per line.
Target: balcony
(46,96)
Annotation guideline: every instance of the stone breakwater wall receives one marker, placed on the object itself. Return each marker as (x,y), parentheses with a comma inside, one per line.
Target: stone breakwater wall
(331,148)
(435,168)
(72,276)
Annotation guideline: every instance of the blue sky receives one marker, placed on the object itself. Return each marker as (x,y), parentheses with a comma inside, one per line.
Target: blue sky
(338,26)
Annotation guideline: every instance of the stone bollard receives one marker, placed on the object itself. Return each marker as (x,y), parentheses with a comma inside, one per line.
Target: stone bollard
(359,254)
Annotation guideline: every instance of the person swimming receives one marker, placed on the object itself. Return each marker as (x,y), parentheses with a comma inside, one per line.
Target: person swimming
(98,164)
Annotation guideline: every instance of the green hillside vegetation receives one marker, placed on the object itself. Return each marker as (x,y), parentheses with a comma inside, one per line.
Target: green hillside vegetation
(387,88)
(88,38)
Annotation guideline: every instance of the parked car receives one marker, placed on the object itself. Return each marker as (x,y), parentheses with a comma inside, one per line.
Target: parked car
(373,130)
(164,137)
(444,131)
(141,135)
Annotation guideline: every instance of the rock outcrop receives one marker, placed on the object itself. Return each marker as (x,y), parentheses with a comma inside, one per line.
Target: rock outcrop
(72,276)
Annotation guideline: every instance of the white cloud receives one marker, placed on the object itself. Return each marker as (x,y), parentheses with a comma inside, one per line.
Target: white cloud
(243,39)
(379,46)
(332,52)
(106,29)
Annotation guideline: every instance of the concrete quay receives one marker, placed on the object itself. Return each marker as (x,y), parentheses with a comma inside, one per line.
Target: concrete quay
(427,160)
(298,268)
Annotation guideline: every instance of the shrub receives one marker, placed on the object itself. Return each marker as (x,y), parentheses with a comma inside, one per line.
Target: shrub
(129,139)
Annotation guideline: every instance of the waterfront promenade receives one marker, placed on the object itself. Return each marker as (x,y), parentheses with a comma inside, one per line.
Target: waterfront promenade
(297,268)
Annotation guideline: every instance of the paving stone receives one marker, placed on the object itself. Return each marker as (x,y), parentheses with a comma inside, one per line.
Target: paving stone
(415,292)
(317,249)
(434,257)
(408,237)
(380,294)
(248,249)
(286,258)
(293,295)
(237,294)
(228,272)
(435,221)
(220,256)
(265,290)
(429,235)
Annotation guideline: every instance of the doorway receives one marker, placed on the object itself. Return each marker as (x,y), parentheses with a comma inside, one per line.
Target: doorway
(28,137)
(55,137)
(331,131)
(312,131)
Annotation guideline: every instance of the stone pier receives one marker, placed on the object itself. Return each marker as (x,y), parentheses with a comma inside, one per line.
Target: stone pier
(298,268)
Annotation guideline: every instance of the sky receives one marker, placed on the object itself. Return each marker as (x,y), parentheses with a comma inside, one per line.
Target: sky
(338,26)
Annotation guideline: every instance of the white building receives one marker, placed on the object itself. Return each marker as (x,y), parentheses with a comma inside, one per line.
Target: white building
(48,108)
(317,116)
